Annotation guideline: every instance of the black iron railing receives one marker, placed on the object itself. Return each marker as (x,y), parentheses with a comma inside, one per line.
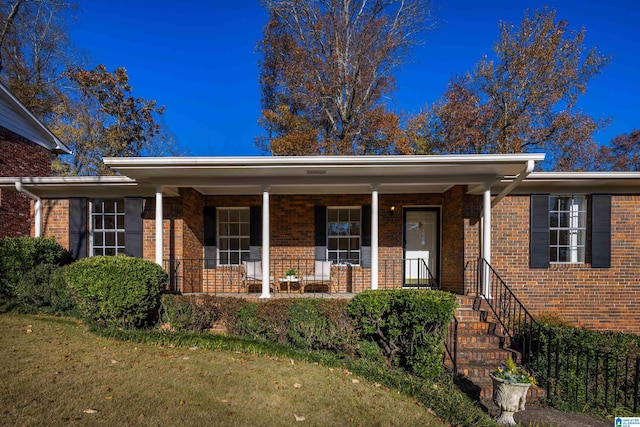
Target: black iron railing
(210,276)
(573,376)
(451,347)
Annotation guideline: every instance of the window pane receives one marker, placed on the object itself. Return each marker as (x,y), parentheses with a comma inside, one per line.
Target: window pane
(224,229)
(332,244)
(354,229)
(564,219)
(97,206)
(97,222)
(244,244)
(343,244)
(224,244)
(234,244)
(109,222)
(234,215)
(234,229)
(354,244)
(332,215)
(244,215)
(553,219)
(235,258)
(553,254)
(110,239)
(224,258)
(109,251)
(121,239)
(563,237)
(332,256)
(553,237)
(563,254)
(120,221)
(355,215)
(98,239)
(109,206)
(244,229)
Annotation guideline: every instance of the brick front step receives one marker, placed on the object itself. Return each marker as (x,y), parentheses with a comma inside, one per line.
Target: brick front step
(496,356)
(482,341)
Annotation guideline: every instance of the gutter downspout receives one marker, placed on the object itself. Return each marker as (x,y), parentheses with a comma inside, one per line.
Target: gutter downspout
(37,207)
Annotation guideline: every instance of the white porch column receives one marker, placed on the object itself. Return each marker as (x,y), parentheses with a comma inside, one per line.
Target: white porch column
(265,244)
(159,221)
(374,237)
(486,238)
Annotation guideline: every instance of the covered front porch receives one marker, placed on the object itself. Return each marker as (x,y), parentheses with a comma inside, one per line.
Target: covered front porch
(369,222)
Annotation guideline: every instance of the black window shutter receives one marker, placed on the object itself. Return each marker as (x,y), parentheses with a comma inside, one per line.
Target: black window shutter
(365,250)
(539,232)
(78,227)
(210,236)
(320,218)
(255,226)
(366,225)
(210,228)
(133,226)
(601,231)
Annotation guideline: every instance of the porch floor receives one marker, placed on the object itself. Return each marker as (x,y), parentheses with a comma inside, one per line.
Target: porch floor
(277,295)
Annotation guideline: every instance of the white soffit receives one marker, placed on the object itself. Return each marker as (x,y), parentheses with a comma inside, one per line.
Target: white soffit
(578,182)
(309,174)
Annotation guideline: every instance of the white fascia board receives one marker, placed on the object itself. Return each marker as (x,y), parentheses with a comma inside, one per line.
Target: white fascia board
(325,161)
(56,145)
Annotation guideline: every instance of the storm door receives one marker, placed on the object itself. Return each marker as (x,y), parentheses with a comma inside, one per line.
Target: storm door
(421,244)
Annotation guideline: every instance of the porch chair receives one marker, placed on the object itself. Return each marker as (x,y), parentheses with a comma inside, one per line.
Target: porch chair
(321,276)
(252,276)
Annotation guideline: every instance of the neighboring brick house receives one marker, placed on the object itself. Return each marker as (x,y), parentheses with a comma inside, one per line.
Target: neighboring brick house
(566,243)
(26,148)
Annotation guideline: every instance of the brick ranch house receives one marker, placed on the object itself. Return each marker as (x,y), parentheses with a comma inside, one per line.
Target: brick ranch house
(26,149)
(567,244)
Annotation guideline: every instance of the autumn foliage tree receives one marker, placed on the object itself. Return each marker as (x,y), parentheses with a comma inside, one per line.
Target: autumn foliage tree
(326,68)
(523,100)
(93,111)
(104,119)
(622,153)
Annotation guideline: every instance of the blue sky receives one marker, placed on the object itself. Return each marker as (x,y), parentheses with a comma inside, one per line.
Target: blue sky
(198,58)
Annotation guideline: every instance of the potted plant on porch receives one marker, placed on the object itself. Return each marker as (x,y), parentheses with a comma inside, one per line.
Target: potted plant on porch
(291,274)
(510,385)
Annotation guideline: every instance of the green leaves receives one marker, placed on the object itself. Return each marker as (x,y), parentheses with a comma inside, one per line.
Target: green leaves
(116,291)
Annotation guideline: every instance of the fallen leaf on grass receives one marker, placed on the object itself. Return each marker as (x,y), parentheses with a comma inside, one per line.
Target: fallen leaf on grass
(185,358)
(355,381)
(29,331)
(90,411)
(193,348)
(109,397)
(299,417)
(296,385)
(113,362)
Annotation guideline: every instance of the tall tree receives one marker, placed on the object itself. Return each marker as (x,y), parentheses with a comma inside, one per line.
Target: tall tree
(35,50)
(104,119)
(327,66)
(622,153)
(524,100)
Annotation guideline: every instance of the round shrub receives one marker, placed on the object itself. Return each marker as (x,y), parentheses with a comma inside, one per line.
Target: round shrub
(116,291)
(18,255)
(44,289)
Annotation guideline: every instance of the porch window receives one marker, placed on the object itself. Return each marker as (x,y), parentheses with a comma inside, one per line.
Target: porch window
(567,229)
(233,235)
(343,234)
(107,234)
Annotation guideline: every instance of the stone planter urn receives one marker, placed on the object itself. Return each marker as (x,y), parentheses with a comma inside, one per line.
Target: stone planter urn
(510,398)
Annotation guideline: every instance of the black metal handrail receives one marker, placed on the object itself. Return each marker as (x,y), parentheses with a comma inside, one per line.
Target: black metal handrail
(569,373)
(451,347)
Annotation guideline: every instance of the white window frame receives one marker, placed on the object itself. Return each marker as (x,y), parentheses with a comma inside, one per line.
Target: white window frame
(240,236)
(337,259)
(117,230)
(575,227)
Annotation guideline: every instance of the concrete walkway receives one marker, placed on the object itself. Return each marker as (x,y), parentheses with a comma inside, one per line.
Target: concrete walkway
(549,416)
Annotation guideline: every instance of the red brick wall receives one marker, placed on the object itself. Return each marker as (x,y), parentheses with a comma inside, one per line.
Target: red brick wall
(596,298)
(55,220)
(19,157)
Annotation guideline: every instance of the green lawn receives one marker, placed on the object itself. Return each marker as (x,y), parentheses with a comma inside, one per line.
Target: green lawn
(55,372)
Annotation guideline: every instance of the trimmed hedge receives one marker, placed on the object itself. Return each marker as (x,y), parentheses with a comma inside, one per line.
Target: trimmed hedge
(116,291)
(44,289)
(19,255)
(409,326)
